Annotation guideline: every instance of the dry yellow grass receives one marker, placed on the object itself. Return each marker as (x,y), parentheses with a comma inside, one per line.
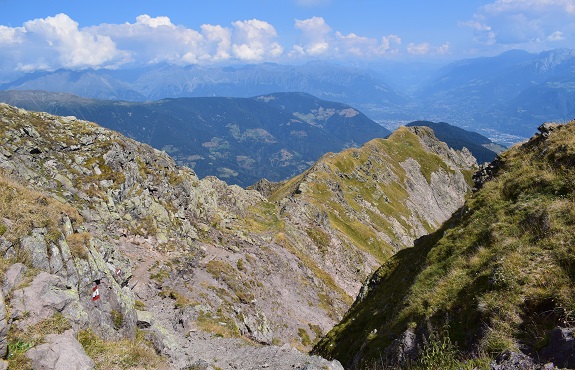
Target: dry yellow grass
(23,209)
(121,354)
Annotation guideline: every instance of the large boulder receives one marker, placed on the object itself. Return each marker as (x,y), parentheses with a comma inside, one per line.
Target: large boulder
(60,352)
(46,295)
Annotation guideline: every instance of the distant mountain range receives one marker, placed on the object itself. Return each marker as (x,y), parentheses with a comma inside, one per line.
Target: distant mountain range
(506,96)
(239,140)
(325,80)
(511,93)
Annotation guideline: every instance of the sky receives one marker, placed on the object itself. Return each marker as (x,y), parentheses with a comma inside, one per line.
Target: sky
(45,35)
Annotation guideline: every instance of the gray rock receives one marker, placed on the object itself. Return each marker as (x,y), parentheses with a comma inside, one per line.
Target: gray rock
(12,277)
(46,295)
(258,327)
(513,361)
(3,327)
(60,352)
(403,350)
(6,249)
(36,247)
(561,348)
(56,263)
(321,364)
(187,318)
(546,128)
(202,365)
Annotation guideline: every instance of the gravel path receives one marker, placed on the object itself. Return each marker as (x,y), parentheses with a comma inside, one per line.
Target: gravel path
(237,354)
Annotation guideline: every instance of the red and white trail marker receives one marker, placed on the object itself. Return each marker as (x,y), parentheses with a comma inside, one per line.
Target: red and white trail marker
(95,293)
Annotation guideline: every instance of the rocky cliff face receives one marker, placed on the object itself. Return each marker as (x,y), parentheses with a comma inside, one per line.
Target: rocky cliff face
(176,256)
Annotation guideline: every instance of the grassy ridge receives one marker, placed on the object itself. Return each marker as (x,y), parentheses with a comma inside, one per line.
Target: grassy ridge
(498,276)
(363,191)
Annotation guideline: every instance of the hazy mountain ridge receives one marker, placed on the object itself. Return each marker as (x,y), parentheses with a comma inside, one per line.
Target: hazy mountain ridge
(321,79)
(504,97)
(178,257)
(240,140)
(492,288)
(512,92)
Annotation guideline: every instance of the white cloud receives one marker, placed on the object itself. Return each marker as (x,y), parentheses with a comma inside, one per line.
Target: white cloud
(154,22)
(254,40)
(10,35)
(556,36)
(317,39)
(58,42)
(55,42)
(501,6)
(418,49)
(315,34)
(389,45)
(218,41)
(527,24)
(154,40)
(443,49)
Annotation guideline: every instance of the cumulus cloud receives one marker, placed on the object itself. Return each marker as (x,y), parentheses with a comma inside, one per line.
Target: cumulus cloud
(318,39)
(556,36)
(8,35)
(218,41)
(58,42)
(388,43)
(418,49)
(254,40)
(528,24)
(55,42)
(159,40)
(154,40)
(501,6)
(315,34)
(154,22)
(443,49)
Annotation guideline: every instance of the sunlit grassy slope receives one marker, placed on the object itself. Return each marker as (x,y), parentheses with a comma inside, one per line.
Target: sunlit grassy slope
(498,276)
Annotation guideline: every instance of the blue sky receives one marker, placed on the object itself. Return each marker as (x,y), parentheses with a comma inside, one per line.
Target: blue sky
(50,34)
